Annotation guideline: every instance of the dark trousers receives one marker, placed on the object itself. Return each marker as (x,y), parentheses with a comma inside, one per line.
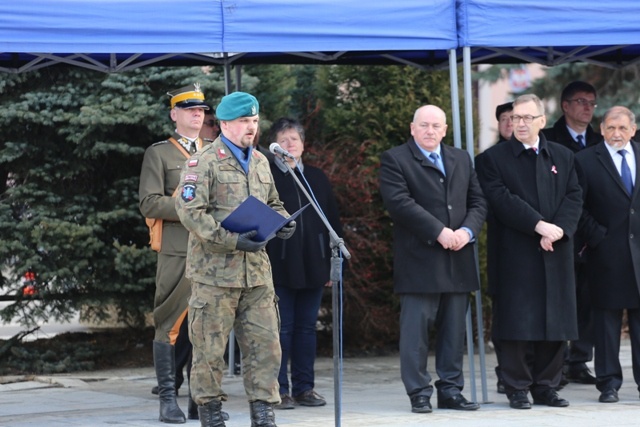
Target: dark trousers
(183,352)
(580,351)
(608,325)
(298,317)
(531,365)
(418,315)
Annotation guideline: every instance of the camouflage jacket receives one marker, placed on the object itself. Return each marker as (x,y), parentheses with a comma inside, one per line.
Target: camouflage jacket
(211,186)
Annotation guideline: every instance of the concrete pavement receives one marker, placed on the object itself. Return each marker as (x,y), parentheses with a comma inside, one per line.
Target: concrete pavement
(372,395)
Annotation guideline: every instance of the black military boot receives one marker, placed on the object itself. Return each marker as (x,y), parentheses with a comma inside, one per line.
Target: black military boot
(192,410)
(164,362)
(211,414)
(262,414)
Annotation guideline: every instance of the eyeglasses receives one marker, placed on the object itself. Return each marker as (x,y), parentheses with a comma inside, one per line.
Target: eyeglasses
(584,102)
(528,119)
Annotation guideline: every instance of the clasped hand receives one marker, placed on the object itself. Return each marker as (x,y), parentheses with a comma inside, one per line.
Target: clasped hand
(454,240)
(550,233)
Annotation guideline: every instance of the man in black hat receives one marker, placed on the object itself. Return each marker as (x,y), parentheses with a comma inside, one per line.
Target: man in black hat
(505,131)
(159,177)
(505,124)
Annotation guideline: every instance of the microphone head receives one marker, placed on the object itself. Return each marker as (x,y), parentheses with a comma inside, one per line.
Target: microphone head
(273,146)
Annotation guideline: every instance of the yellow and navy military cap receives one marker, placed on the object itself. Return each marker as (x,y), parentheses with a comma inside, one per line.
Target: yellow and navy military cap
(237,104)
(188,97)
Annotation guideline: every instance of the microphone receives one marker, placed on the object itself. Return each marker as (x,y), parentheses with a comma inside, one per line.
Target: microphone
(275,148)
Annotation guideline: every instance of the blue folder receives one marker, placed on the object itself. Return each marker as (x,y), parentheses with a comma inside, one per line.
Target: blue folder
(253,214)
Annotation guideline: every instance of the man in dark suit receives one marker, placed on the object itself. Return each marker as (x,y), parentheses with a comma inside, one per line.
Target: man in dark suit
(610,226)
(533,191)
(574,131)
(437,207)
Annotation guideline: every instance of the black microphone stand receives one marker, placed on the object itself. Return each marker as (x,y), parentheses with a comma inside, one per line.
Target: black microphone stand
(337,246)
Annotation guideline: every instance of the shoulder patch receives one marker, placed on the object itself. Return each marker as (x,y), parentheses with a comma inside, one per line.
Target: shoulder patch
(222,153)
(191,177)
(188,192)
(192,163)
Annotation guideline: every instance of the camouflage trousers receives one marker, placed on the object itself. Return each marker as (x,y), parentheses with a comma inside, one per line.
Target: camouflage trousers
(252,314)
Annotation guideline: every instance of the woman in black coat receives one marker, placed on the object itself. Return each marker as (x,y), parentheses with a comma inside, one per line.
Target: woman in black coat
(300,265)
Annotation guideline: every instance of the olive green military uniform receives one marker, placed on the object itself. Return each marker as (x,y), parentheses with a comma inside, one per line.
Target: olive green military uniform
(231,289)
(159,177)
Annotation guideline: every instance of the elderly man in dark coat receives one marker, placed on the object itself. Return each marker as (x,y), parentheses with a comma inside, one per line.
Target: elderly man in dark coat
(532,189)
(610,225)
(433,196)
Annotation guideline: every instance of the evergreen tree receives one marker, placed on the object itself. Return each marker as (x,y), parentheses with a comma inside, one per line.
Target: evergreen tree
(70,158)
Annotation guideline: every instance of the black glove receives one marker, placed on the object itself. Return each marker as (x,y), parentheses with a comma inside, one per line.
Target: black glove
(287,231)
(247,245)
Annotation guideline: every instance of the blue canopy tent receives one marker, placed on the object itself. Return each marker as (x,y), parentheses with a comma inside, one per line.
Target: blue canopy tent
(550,32)
(119,35)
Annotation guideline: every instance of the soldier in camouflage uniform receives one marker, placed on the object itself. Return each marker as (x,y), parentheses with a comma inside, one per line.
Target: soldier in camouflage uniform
(159,177)
(231,279)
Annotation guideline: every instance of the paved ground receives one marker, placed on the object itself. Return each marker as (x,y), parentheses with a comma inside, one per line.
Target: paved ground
(372,395)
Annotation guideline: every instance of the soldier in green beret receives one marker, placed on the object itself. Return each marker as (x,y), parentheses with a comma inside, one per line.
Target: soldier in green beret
(232,287)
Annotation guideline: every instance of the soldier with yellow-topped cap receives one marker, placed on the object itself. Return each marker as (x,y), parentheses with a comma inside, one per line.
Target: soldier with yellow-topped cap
(159,177)
(232,287)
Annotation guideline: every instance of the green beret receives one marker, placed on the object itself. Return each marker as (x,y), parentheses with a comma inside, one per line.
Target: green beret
(237,104)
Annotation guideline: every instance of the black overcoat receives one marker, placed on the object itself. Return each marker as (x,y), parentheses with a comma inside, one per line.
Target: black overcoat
(303,260)
(535,293)
(560,134)
(610,225)
(421,202)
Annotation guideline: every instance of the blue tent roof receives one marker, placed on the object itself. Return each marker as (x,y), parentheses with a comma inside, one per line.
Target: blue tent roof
(119,35)
(115,35)
(550,32)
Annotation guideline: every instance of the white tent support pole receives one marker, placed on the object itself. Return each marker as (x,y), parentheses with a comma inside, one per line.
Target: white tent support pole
(455,100)
(468,110)
(457,142)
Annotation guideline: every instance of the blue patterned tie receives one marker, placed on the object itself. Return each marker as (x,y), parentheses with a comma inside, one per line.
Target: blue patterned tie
(435,158)
(625,172)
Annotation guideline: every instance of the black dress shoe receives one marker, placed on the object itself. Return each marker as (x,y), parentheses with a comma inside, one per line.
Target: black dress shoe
(421,404)
(608,396)
(550,398)
(519,400)
(500,387)
(581,377)
(457,402)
